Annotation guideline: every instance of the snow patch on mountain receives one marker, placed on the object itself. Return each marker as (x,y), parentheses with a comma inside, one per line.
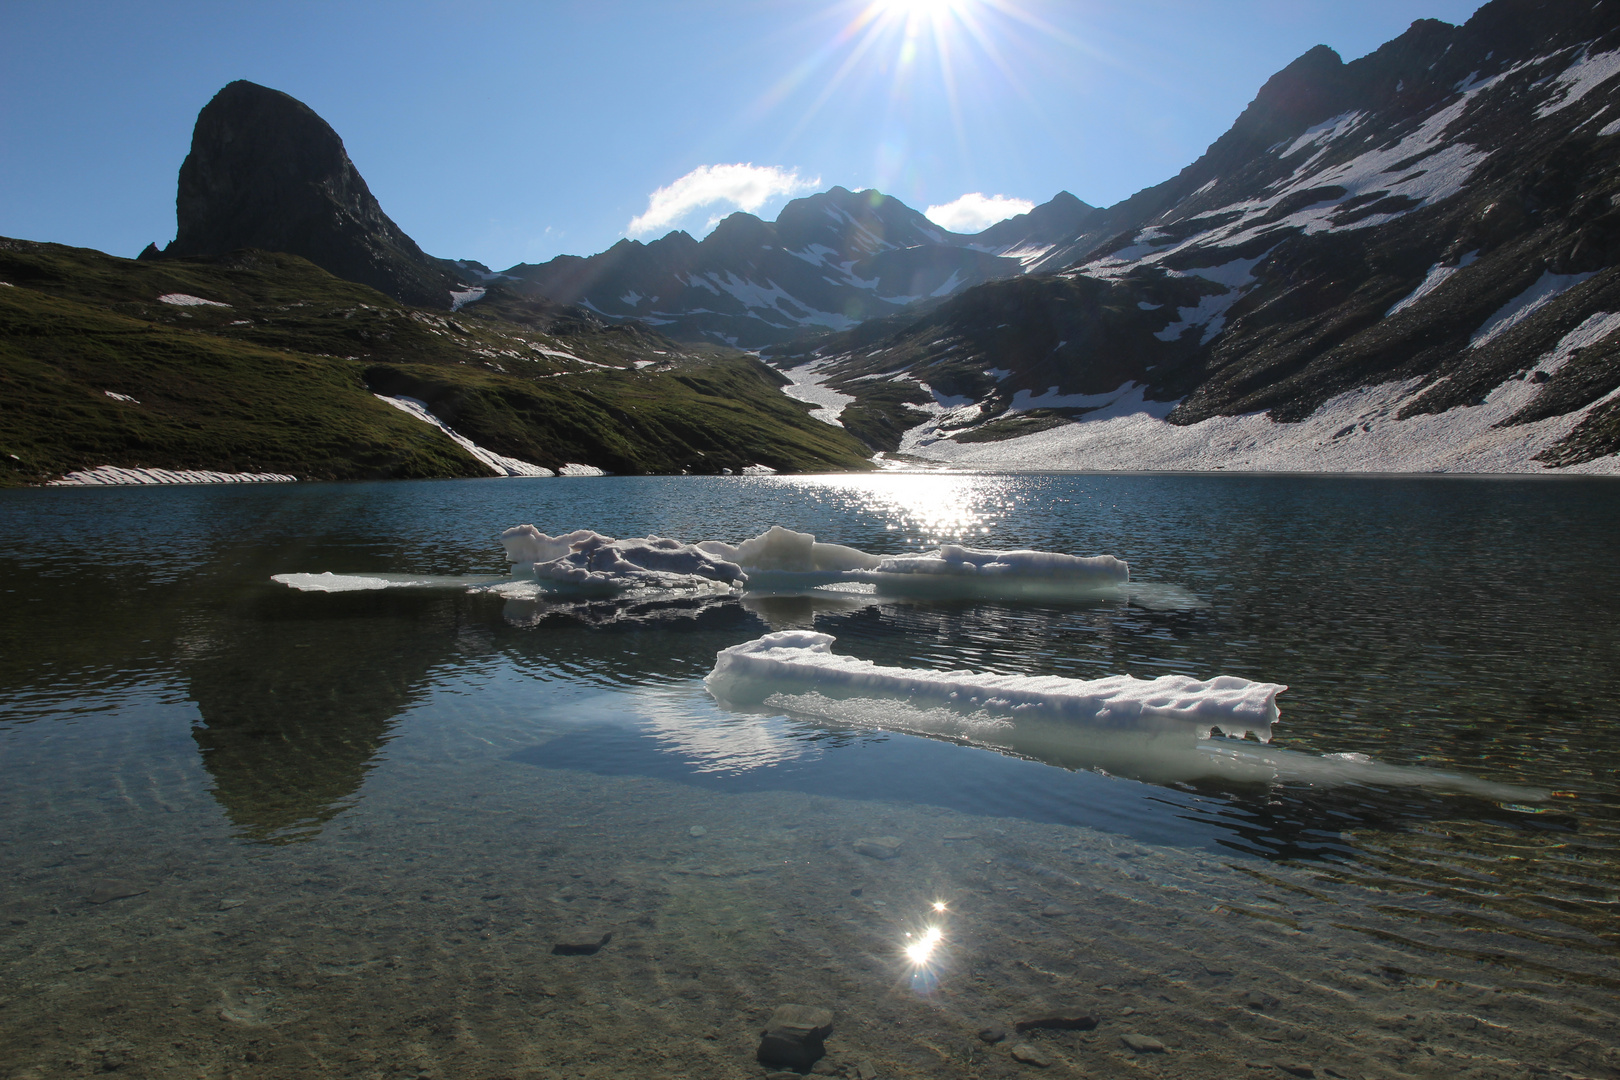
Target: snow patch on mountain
(1596,327)
(180,299)
(1325,132)
(1353,432)
(1547,288)
(498,464)
(1437,276)
(808,387)
(1584,75)
(460,298)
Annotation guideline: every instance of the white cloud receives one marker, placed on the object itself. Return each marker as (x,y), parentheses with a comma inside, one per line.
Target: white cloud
(975,212)
(745,187)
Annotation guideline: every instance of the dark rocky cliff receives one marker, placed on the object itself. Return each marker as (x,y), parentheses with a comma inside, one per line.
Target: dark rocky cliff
(266,172)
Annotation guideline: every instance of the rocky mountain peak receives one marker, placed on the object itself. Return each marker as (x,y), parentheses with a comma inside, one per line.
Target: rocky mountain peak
(265,171)
(1057,219)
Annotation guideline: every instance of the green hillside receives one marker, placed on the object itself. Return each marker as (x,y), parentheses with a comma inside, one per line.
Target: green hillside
(278,374)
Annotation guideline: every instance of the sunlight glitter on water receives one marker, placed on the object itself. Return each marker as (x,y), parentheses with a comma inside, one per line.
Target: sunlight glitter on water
(931,509)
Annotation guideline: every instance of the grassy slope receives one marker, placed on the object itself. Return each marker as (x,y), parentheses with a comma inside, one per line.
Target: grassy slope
(281,379)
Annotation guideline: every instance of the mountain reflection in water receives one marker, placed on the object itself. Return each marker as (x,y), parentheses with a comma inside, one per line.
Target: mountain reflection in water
(298,698)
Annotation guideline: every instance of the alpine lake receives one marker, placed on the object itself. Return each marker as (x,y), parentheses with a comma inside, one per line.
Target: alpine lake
(250,832)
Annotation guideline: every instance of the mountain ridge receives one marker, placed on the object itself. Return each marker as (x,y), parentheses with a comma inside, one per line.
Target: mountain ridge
(829,260)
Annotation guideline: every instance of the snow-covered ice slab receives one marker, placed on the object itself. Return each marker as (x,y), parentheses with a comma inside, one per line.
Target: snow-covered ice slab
(802,661)
(1150,729)
(587,562)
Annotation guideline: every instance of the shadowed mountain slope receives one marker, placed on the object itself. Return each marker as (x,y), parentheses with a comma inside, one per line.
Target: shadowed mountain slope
(1434,227)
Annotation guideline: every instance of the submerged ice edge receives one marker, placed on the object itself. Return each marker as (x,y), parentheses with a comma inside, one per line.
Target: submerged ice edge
(329,582)
(1160,730)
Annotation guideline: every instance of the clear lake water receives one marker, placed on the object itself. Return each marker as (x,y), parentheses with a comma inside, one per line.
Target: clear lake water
(250,831)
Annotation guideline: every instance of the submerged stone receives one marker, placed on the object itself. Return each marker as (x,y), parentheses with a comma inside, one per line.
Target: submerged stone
(581,942)
(1067,1021)
(1143,1044)
(794,1036)
(878,847)
(105,892)
(1030,1055)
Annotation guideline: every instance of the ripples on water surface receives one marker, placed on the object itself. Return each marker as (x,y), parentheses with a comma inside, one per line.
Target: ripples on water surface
(351,826)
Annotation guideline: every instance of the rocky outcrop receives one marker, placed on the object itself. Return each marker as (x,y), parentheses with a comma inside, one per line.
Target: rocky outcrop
(266,172)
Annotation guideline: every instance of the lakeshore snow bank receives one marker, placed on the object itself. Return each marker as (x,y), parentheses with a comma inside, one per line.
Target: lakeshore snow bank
(1161,730)
(784,560)
(115,476)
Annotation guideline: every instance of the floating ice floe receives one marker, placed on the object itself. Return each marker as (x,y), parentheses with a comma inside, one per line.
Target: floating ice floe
(783,560)
(802,662)
(587,564)
(1161,729)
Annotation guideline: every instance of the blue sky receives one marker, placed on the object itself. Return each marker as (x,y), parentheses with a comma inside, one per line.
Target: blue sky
(510,132)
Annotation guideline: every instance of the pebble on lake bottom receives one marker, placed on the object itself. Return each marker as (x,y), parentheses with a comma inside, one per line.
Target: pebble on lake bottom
(105,892)
(581,942)
(1030,1055)
(1067,1021)
(878,847)
(1143,1044)
(1258,1000)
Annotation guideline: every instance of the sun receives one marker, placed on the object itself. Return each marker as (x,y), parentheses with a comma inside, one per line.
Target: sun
(914,12)
(912,8)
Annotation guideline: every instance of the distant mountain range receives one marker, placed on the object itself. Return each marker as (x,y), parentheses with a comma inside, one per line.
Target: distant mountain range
(830,261)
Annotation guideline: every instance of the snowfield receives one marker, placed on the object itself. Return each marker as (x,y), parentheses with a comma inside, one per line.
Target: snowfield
(1354,432)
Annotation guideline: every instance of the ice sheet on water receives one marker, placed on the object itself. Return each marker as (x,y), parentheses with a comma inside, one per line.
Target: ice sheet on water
(1151,729)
